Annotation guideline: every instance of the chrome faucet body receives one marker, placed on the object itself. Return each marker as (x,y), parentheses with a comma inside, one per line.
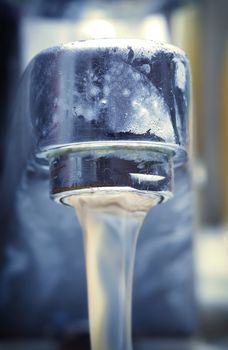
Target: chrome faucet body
(116,93)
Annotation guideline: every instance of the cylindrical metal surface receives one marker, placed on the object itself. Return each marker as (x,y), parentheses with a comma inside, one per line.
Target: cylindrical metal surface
(109,90)
(103,94)
(118,168)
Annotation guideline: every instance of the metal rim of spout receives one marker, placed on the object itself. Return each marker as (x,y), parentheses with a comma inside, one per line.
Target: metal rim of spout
(178,153)
(147,170)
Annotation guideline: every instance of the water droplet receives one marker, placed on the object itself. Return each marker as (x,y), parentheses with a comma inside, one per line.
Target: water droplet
(103,101)
(126,92)
(145,68)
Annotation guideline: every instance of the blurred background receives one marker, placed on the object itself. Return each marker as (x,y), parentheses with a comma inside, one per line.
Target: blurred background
(200,28)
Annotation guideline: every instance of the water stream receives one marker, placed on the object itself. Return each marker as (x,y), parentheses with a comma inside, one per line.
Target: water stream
(111,222)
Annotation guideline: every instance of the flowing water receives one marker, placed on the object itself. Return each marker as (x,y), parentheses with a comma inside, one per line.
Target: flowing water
(111,221)
(112,189)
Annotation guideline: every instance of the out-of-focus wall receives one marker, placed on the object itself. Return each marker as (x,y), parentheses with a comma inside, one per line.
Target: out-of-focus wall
(201,29)
(224,130)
